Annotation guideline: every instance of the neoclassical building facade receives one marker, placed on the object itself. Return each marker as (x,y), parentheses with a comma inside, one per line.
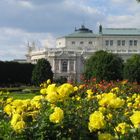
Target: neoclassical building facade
(68,57)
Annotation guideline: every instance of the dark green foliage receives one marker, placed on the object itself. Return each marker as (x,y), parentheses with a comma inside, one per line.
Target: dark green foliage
(104,66)
(13,73)
(60,80)
(42,72)
(132,69)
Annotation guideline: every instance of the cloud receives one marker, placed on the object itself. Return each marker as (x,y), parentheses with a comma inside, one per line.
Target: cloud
(123,21)
(47,16)
(43,20)
(25,4)
(14,42)
(120,1)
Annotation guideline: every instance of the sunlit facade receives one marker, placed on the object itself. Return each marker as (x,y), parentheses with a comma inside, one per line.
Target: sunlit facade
(68,57)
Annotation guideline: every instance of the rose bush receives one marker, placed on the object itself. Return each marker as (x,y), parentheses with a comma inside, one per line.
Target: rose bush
(104,111)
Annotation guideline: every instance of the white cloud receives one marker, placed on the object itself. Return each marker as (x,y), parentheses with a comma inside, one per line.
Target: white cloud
(80,7)
(120,1)
(49,42)
(26,4)
(123,21)
(14,42)
(130,6)
(42,20)
(19,3)
(122,13)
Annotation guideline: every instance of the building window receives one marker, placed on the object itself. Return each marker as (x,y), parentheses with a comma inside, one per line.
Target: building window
(123,50)
(135,42)
(64,64)
(123,42)
(134,50)
(119,42)
(130,51)
(90,42)
(81,42)
(130,42)
(107,42)
(73,42)
(111,42)
(118,50)
(59,43)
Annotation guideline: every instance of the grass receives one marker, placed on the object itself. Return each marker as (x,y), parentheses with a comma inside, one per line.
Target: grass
(22,95)
(26,93)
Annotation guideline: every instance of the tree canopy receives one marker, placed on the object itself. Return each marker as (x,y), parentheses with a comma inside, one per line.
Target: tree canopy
(132,69)
(104,66)
(14,74)
(42,72)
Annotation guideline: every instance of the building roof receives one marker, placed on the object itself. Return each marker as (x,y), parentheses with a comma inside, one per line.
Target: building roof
(82,32)
(120,31)
(20,60)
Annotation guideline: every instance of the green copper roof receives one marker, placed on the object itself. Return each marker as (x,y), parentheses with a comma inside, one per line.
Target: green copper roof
(82,32)
(120,31)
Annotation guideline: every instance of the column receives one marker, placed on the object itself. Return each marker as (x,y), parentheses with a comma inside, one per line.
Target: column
(74,66)
(68,71)
(53,65)
(60,66)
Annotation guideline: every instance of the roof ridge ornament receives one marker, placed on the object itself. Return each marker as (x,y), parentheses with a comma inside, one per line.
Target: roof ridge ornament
(100,29)
(83,29)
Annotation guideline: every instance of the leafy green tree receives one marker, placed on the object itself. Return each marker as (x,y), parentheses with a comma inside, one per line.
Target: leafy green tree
(132,69)
(42,72)
(104,66)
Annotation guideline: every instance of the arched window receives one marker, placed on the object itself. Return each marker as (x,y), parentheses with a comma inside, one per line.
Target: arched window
(64,64)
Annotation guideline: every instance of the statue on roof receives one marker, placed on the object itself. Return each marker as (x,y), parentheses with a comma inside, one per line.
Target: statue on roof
(30,47)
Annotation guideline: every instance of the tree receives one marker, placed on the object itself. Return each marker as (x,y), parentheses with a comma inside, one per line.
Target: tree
(42,72)
(132,69)
(14,73)
(104,66)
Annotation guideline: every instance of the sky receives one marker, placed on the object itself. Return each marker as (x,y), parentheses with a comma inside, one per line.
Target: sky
(42,21)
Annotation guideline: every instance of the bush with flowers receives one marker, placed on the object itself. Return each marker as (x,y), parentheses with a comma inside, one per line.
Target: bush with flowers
(103,111)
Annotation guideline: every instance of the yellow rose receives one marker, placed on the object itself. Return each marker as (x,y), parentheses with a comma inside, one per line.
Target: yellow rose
(15,118)
(52,97)
(105,136)
(8,109)
(57,115)
(48,81)
(96,121)
(19,126)
(75,88)
(135,119)
(65,90)
(43,91)
(122,128)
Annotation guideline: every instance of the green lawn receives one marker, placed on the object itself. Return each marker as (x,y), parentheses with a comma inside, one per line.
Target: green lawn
(26,93)
(22,95)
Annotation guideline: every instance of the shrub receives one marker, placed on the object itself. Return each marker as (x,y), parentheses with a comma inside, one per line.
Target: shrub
(74,112)
(42,72)
(132,69)
(104,66)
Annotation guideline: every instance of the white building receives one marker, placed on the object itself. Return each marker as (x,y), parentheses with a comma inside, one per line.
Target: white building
(67,59)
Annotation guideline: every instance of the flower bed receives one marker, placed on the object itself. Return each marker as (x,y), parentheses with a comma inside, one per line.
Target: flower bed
(104,111)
